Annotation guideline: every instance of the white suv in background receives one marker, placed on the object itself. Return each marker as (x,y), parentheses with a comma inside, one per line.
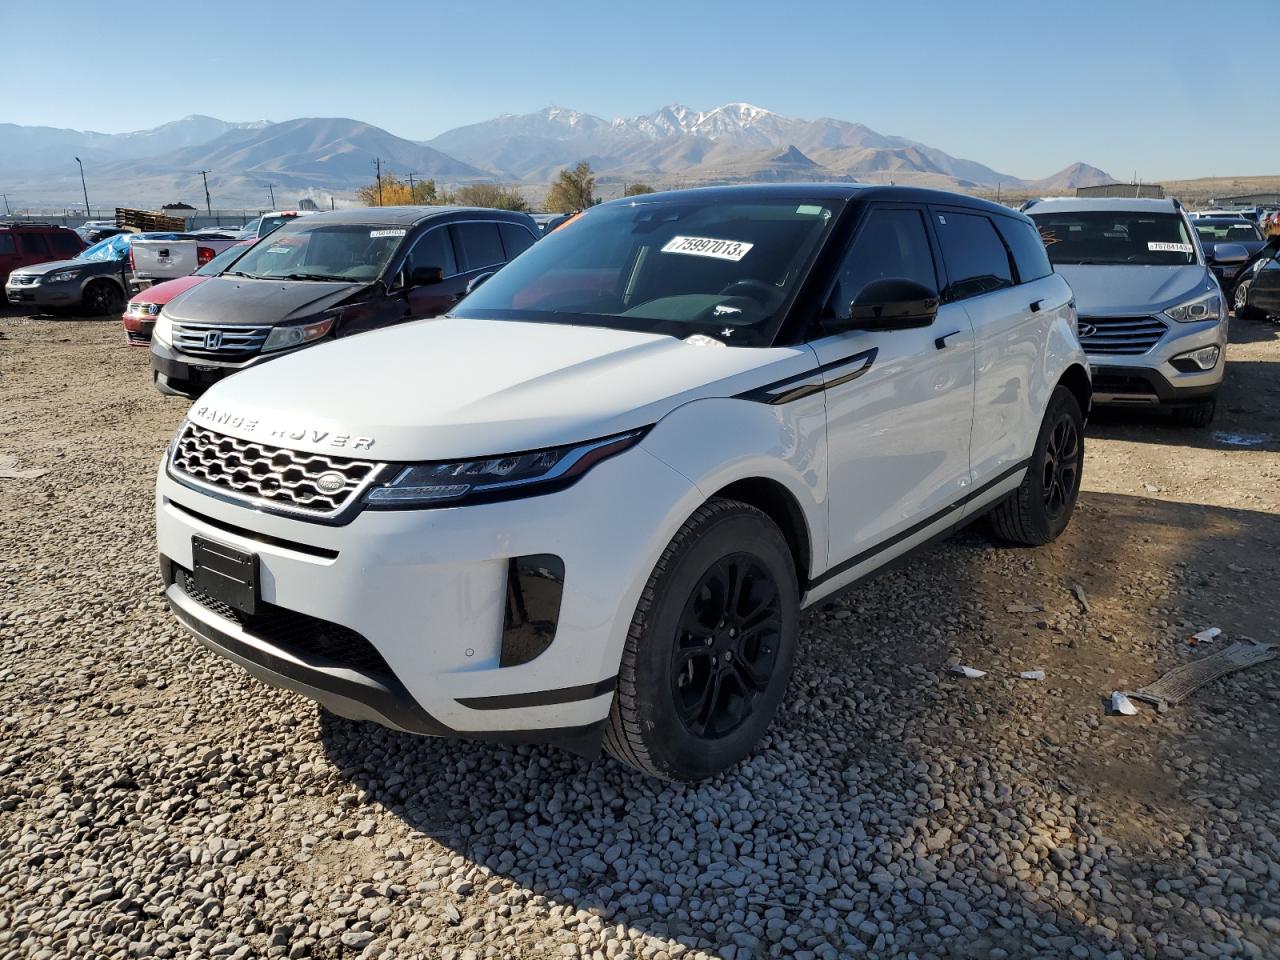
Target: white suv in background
(1153,318)
(589,504)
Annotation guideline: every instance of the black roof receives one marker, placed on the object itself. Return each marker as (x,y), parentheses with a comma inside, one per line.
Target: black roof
(763,192)
(404,216)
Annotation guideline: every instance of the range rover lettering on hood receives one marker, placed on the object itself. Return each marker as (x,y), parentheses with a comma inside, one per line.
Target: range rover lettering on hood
(213,417)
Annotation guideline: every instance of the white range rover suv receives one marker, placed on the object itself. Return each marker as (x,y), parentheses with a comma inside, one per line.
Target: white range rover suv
(588,505)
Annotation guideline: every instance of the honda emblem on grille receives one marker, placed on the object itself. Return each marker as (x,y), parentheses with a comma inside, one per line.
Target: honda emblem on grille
(1087,330)
(213,340)
(331,482)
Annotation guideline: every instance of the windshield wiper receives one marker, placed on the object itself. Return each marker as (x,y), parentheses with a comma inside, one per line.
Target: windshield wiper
(241,273)
(313,276)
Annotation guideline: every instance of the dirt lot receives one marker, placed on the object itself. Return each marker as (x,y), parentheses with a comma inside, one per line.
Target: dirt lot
(155,801)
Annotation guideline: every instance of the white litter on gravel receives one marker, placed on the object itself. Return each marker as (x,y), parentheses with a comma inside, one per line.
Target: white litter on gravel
(1122,704)
(973,673)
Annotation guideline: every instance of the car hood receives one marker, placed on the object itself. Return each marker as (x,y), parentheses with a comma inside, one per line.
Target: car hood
(239,300)
(452,388)
(1118,290)
(52,266)
(164,292)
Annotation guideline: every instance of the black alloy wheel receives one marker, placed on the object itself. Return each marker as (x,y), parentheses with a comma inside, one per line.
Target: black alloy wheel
(726,647)
(1061,465)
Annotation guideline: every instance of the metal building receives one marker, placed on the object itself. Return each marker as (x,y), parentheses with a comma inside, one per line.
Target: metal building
(1153,191)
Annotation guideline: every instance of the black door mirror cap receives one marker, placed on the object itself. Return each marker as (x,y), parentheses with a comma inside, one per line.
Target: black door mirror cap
(425,276)
(894,303)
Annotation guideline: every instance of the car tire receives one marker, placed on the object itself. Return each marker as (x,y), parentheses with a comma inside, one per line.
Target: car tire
(690,705)
(1040,509)
(102,298)
(1240,304)
(1199,414)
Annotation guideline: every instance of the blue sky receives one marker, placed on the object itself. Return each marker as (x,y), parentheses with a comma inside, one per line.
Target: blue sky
(1021,86)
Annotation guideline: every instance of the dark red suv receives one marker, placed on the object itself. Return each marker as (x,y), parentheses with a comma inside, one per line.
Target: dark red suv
(23,244)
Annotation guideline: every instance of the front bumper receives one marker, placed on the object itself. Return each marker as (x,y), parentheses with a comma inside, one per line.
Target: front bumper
(1151,379)
(181,374)
(137,329)
(426,592)
(47,295)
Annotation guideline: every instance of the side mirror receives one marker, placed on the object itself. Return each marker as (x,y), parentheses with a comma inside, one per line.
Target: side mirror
(477,280)
(425,276)
(894,303)
(1228,253)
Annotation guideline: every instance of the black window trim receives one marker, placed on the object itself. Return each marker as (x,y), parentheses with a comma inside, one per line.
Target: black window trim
(1013,261)
(502,240)
(941,209)
(408,254)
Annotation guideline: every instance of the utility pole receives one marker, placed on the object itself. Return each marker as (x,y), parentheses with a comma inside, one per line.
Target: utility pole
(377,163)
(271,192)
(7,211)
(411,176)
(87,214)
(208,204)
(331,201)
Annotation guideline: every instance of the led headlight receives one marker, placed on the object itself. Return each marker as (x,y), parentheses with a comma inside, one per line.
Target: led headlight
(65,276)
(294,336)
(1206,358)
(1208,307)
(509,475)
(163,329)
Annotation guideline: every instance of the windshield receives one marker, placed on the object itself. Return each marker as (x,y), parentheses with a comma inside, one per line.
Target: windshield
(1230,231)
(728,270)
(1100,237)
(221,261)
(306,250)
(112,248)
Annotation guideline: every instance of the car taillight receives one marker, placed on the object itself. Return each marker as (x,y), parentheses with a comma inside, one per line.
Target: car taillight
(204,255)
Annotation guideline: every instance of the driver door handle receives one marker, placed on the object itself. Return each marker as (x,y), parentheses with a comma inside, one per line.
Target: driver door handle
(941,342)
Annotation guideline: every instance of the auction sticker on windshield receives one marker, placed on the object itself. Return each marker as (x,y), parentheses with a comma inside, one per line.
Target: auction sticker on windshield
(1163,247)
(387,233)
(733,250)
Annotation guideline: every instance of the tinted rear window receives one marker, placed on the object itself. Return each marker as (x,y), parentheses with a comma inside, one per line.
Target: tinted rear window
(515,239)
(480,245)
(1023,241)
(65,244)
(976,259)
(7,246)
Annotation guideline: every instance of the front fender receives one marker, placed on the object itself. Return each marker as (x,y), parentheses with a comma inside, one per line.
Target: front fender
(718,441)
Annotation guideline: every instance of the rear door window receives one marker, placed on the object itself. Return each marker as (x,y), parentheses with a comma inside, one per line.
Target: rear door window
(33,244)
(1028,251)
(976,258)
(480,245)
(515,239)
(7,247)
(892,243)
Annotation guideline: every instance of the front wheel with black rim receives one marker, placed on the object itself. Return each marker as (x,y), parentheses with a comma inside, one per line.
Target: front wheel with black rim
(1040,509)
(103,298)
(709,651)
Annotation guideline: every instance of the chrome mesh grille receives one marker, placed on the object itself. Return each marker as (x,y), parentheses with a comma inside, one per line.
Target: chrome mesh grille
(287,478)
(1120,336)
(219,340)
(23,279)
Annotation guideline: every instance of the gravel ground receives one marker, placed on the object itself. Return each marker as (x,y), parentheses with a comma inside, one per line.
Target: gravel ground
(156,801)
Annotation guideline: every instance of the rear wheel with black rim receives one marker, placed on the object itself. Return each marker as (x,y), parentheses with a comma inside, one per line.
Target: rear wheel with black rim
(1040,509)
(102,298)
(710,648)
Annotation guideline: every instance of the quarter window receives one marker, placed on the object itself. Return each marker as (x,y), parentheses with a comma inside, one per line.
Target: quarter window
(976,258)
(515,239)
(434,250)
(892,243)
(1027,248)
(33,243)
(480,245)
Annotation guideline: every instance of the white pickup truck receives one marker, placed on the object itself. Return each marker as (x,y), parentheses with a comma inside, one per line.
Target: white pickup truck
(154,261)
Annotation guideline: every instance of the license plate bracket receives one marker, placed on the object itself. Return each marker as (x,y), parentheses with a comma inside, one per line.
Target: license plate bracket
(225,573)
